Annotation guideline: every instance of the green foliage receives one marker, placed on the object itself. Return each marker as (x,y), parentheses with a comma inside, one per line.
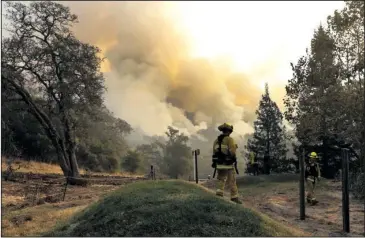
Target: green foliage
(152,154)
(101,142)
(326,97)
(269,136)
(357,185)
(52,90)
(132,161)
(168,208)
(99,136)
(176,154)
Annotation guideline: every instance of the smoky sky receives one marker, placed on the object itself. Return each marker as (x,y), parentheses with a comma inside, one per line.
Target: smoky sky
(152,82)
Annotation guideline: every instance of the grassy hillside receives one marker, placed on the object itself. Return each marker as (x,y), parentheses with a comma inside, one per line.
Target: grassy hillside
(168,208)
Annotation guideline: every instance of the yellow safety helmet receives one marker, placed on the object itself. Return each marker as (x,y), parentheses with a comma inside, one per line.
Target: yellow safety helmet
(225,127)
(313,155)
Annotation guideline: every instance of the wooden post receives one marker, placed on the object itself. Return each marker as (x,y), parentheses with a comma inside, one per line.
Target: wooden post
(194,174)
(64,191)
(345,191)
(35,198)
(151,173)
(301,186)
(196,166)
(27,187)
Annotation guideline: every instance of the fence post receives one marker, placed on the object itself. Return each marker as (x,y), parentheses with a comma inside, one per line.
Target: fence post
(35,198)
(151,172)
(345,191)
(27,187)
(64,192)
(301,186)
(196,153)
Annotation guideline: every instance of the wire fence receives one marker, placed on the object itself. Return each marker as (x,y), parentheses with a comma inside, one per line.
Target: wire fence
(39,189)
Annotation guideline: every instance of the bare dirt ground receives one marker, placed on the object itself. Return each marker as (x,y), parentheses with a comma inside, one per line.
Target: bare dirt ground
(33,204)
(279,199)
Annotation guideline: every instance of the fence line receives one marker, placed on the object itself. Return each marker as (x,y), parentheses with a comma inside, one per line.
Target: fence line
(33,189)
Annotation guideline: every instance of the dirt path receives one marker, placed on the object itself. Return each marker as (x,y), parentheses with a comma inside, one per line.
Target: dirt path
(280,200)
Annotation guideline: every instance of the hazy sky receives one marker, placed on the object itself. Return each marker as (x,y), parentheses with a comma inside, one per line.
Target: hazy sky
(253,34)
(196,64)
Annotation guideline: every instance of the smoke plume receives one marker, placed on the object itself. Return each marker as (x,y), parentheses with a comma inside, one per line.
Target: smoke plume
(152,81)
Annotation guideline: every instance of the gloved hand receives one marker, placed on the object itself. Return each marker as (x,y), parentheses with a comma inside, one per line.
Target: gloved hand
(214,165)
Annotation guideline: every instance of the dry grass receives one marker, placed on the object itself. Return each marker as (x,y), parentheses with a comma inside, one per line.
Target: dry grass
(33,221)
(121,174)
(7,200)
(277,196)
(33,166)
(21,218)
(47,168)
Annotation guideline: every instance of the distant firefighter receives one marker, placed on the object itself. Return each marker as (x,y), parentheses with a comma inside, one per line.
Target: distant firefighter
(312,175)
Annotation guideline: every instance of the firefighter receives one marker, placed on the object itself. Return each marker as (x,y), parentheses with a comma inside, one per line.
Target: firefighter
(225,162)
(254,164)
(312,175)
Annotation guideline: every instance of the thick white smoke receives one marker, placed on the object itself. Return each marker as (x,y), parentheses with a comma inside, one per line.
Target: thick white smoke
(152,81)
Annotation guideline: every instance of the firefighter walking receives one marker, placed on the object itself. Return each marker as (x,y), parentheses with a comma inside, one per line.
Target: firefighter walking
(312,175)
(225,162)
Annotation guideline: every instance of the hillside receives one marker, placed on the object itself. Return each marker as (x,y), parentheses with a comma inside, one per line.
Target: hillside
(168,208)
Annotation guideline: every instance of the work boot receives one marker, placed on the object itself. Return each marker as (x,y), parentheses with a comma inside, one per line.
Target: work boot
(314,202)
(236,200)
(309,200)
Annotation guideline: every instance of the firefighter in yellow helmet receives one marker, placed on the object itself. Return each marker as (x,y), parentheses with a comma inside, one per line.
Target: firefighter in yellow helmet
(312,175)
(224,161)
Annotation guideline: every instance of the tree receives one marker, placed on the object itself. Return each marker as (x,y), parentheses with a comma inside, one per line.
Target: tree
(152,155)
(100,140)
(347,29)
(177,154)
(311,94)
(99,136)
(52,72)
(269,136)
(323,96)
(131,161)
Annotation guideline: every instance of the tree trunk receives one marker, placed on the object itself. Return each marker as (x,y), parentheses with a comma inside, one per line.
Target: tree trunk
(362,153)
(73,162)
(66,158)
(325,158)
(267,158)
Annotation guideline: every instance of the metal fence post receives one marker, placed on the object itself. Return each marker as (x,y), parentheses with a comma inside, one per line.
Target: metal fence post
(196,166)
(301,186)
(345,191)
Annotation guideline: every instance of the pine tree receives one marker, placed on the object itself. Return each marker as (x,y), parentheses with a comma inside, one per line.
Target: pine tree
(269,137)
(325,99)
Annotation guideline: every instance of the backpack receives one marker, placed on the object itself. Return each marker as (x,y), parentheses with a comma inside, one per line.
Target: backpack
(311,170)
(219,157)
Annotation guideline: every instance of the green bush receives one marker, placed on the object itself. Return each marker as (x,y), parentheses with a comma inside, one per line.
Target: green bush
(357,185)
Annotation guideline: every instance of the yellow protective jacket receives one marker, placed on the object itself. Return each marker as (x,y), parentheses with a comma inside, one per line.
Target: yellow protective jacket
(252,157)
(228,147)
(312,171)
